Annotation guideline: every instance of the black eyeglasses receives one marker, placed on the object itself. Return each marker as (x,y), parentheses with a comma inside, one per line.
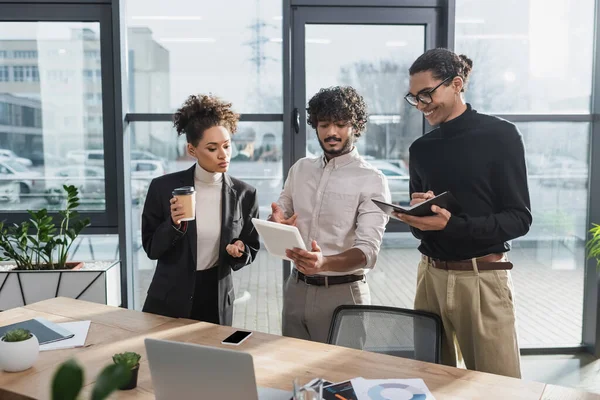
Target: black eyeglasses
(424,97)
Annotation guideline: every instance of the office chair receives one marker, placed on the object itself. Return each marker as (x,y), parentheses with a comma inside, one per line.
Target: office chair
(387,330)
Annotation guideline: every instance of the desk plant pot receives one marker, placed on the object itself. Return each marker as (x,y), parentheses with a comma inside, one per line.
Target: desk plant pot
(35,260)
(19,350)
(69,379)
(131,361)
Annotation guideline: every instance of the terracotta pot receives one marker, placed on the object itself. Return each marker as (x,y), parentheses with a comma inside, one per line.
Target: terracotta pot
(69,265)
(73,265)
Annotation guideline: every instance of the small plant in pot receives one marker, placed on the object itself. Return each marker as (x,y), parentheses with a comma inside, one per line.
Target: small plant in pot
(39,244)
(19,350)
(131,361)
(69,380)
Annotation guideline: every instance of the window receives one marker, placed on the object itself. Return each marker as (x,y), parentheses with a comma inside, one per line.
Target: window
(170,43)
(88,75)
(19,73)
(45,125)
(93,54)
(25,54)
(4,113)
(167,53)
(3,73)
(31,73)
(255,159)
(28,118)
(539,63)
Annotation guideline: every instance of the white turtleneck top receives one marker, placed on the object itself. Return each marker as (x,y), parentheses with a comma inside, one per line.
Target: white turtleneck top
(208,216)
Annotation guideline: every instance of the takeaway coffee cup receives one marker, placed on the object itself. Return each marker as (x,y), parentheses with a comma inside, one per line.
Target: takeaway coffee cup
(187,196)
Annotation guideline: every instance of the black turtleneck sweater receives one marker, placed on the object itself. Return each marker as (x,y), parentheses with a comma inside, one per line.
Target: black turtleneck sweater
(481,160)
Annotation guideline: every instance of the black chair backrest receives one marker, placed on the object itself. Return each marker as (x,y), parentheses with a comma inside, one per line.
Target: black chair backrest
(395,331)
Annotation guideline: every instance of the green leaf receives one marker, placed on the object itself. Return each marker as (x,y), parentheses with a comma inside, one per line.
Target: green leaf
(67,382)
(110,379)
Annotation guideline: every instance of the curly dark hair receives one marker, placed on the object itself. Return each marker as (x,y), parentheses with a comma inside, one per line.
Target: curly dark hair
(201,112)
(443,63)
(339,103)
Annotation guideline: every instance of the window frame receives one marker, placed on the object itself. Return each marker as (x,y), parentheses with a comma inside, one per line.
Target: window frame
(106,221)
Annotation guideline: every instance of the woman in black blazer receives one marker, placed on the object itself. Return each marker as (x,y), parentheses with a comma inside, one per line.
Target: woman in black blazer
(195,258)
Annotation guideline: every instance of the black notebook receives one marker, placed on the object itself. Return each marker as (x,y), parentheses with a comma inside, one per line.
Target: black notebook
(444,200)
(44,330)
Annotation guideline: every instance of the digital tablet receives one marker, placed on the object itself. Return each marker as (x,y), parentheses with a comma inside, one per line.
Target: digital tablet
(444,200)
(278,237)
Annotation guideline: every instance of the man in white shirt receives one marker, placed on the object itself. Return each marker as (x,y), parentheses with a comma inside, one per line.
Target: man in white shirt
(329,200)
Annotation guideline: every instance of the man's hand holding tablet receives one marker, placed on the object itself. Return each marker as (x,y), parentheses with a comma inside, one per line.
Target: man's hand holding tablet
(308,262)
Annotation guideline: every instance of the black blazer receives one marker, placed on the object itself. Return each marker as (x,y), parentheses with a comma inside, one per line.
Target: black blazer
(174,279)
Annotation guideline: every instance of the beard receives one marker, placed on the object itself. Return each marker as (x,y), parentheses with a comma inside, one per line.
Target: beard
(346,146)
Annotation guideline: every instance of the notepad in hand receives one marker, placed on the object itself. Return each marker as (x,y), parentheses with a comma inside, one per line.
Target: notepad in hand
(44,330)
(445,200)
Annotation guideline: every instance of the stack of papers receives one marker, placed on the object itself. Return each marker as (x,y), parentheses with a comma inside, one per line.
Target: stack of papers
(378,389)
(79,329)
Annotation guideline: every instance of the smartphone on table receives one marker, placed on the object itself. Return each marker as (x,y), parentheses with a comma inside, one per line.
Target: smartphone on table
(236,338)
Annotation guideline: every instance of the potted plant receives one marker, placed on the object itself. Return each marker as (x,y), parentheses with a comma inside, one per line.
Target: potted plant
(19,350)
(131,361)
(69,377)
(37,244)
(35,262)
(593,245)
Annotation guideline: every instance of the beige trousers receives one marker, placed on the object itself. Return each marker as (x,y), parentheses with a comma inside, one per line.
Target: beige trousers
(308,309)
(478,316)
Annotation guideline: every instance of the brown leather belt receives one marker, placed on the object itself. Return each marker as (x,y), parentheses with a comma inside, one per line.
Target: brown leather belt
(486,263)
(322,280)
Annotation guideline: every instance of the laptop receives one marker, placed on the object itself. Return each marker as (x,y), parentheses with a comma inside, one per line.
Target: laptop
(191,371)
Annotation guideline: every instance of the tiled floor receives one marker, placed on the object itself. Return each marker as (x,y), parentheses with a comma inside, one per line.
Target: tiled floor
(579,371)
(549,292)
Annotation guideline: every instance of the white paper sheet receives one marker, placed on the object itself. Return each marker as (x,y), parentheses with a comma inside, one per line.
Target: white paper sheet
(397,389)
(78,328)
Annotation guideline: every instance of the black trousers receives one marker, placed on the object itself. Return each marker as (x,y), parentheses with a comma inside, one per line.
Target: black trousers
(205,305)
(206,296)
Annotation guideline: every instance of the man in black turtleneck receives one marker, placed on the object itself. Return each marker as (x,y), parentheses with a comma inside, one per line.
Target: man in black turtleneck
(464,272)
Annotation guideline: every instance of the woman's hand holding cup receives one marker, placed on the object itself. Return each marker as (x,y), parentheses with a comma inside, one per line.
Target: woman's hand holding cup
(177,211)
(183,204)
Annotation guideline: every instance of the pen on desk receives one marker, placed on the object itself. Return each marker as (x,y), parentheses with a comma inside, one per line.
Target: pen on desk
(339,396)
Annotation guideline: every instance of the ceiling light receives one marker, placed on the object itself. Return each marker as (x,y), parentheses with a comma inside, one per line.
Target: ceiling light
(508,36)
(168,17)
(188,40)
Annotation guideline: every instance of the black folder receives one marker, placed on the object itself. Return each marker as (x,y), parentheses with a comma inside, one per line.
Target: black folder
(44,330)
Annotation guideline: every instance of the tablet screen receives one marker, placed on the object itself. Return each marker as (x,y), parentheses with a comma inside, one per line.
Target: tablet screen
(278,237)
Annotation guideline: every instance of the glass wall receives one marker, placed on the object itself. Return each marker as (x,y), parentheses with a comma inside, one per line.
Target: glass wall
(232,50)
(379,74)
(51,119)
(541,63)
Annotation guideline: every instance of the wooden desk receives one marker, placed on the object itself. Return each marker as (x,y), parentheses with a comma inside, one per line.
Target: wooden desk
(277,360)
